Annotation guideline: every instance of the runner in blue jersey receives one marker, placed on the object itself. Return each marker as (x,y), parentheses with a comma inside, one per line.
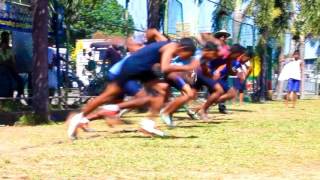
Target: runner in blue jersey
(207,68)
(139,67)
(130,88)
(181,81)
(220,39)
(222,92)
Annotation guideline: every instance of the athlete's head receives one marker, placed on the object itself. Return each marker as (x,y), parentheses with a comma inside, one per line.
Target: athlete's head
(236,50)
(296,54)
(210,51)
(133,45)
(186,48)
(246,56)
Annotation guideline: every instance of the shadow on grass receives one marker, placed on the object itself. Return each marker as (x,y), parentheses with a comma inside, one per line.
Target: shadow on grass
(215,118)
(202,124)
(218,122)
(240,110)
(43,144)
(91,137)
(154,137)
(189,126)
(131,115)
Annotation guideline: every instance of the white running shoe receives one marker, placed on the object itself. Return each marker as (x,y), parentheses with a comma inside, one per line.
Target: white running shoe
(123,111)
(167,119)
(149,126)
(74,123)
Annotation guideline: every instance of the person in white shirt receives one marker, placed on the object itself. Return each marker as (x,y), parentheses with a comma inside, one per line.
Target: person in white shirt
(293,75)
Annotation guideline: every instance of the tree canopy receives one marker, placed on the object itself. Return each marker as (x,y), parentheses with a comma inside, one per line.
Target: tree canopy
(308,16)
(85,17)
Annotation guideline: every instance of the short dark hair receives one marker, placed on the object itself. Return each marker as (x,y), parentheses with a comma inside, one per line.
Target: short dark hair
(51,41)
(188,44)
(237,48)
(249,53)
(210,46)
(4,34)
(296,52)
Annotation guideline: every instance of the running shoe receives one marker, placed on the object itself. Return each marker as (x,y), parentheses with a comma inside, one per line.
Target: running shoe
(149,126)
(223,109)
(123,111)
(193,115)
(167,119)
(86,128)
(203,115)
(74,122)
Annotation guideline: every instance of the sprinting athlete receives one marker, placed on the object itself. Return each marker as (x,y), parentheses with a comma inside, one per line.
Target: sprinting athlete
(132,87)
(204,74)
(241,85)
(220,39)
(209,51)
(222,92)
(139,66)
(179,80)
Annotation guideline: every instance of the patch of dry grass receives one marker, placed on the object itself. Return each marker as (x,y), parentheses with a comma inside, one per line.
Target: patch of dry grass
(257,141)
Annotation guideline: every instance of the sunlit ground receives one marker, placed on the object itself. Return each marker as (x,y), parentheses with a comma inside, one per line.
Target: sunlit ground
(257,141)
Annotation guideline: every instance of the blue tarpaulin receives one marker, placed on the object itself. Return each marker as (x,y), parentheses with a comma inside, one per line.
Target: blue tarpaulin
(15,17)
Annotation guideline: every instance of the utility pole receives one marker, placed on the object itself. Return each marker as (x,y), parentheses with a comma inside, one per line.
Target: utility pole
(126,16)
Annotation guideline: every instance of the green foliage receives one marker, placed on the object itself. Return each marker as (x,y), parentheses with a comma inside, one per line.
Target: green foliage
(308,18)
(272,16)
(221,13)
(11,106)
(89,16)
(31,119)
(27,120)
(7,106)
(107,17)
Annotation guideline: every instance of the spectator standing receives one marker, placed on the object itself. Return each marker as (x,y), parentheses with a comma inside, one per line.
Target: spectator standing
(8,62)
(292,72)
(52,71)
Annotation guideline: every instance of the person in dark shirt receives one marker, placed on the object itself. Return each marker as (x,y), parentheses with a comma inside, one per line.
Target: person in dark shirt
(7,61)
(112,55)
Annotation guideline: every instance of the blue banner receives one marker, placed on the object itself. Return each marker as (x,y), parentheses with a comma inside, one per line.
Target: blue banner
(22,48)
(15,17)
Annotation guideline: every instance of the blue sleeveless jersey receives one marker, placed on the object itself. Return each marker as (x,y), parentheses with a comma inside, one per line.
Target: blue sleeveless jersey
(215,64)
(145,58)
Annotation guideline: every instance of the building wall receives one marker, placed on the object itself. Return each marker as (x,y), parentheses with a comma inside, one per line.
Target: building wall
(138,10)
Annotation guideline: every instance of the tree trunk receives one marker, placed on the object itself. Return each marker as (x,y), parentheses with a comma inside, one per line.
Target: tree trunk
(40,60)
(264,65)
(280,67)
(154,13)
(238,18)
(301,49)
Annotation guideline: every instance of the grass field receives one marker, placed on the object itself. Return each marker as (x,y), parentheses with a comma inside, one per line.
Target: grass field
(257,141)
